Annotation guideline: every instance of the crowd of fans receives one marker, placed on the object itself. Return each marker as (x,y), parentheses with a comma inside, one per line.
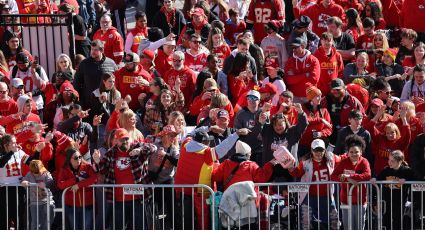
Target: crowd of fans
(211,94)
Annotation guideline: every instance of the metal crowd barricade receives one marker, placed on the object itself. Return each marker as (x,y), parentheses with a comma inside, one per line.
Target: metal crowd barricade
(46,38)
(20,209)
(150,207)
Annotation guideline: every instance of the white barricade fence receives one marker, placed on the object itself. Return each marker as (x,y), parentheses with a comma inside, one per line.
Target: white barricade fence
(29,207)
(138,206)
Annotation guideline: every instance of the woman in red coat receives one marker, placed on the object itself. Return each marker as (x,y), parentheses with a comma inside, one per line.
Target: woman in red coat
(319,120)
(240,78)
(77,174)
(391,139)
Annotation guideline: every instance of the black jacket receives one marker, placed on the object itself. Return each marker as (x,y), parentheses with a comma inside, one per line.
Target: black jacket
(87,78)
(417,157)
(160,21)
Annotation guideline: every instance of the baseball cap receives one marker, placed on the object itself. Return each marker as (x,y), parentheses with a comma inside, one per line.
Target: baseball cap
(131,58)
(337,84)
(253,93)
(201,135)
(120,134)
(298,41)
(223,113)
(242,148)
(148,54)
(170,43)
(22,58)
(272,63)
(168,129)
(378,102)
(16,82)
(268,88)
(318,143)
(302,22)
(198,12)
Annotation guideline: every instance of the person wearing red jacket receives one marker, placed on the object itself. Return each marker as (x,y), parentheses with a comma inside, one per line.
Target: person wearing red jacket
(136,35)
(331,63)
(204,99)
(357,89)
(262,12)
(320,12)
(319,120)
(233,26)
(7,105)
(353,168)
(20,121)
(77,175)
(37,144)
(392,139)
(112,40)
(415,123)
(302,67)
(371,112)
(163,59)
(186,75)
(132,79)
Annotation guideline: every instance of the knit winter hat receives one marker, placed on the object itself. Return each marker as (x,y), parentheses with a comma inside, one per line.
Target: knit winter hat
(242,148)
(392,52)
(312,91)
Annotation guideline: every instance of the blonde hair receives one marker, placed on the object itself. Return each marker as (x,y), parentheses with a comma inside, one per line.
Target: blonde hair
(385,45)
(134,133)
(37,167)
(67,58)
(209,82)
(411,109)
(219,100)
(393,127)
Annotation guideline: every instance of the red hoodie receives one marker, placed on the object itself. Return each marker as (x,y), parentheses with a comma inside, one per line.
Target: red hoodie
(382,147)
(391,10)
(127,83)
(300,71)
(319,15)
(331,67)
(412,15)
(45,155)
(163,62)
(113,43)
(86,177)
(358,172)
(415,127)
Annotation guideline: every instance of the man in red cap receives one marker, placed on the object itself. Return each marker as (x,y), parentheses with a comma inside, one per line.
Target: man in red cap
(262,12)
(132,79)
(199,24)
(274,45)
(302,67)
(123,164)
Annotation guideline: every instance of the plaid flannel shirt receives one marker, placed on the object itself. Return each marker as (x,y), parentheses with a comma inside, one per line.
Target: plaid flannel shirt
(139,167)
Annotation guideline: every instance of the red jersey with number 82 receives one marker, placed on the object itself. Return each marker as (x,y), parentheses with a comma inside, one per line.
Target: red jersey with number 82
(262,12)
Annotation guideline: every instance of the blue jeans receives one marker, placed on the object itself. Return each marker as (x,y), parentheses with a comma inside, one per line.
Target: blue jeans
(83,217)
(129,215)
(39,216)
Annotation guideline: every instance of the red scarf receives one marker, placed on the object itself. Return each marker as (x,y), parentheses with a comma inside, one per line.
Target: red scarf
(170,16)
(199,27)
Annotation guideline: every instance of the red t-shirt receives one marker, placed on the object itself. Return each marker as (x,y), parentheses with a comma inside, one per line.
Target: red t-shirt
(365,42)
(123,175)
(320,173)
(127,83)
(195,62)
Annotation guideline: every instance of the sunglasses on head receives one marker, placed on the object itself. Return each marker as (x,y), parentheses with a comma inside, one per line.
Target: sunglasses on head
(78,157)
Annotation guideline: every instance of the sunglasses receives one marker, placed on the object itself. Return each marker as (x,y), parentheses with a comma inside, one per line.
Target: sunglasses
(252,98)
(3,92)
(78,157)
(197,42)
(177,60)
(387,93)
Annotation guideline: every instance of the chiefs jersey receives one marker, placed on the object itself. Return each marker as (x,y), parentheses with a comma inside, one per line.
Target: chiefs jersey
(128,84)
(195,62)
(222,52)
(113,42)
(262,12)
(11,173)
